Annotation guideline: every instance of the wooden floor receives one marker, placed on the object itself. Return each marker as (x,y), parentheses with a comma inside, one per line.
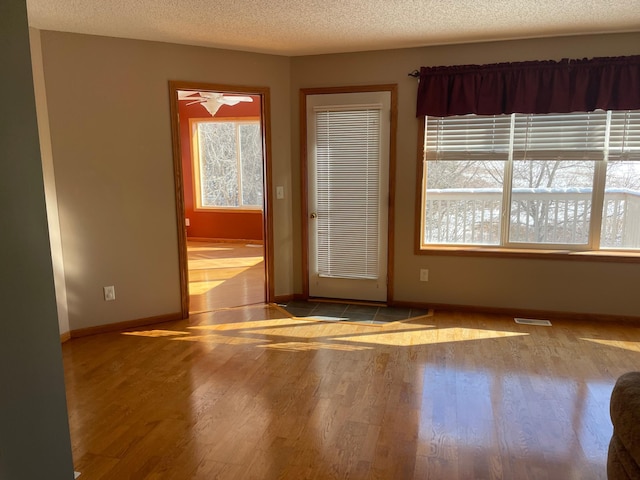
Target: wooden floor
(247,393)
(224,275)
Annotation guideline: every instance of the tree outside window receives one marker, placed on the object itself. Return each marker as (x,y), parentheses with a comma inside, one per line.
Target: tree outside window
(228,164)
(540,181)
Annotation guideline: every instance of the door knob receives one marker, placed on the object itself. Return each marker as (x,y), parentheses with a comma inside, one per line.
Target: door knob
(313,215)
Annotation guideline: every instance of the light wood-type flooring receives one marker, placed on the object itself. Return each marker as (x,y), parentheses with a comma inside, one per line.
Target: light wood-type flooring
(249,393)
(224,275)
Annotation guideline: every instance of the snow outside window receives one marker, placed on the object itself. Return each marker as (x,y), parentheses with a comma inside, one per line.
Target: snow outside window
(228,164)
(549,181)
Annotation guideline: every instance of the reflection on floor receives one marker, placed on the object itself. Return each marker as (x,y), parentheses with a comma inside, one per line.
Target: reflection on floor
(352,313)
(250,393)
(223,275)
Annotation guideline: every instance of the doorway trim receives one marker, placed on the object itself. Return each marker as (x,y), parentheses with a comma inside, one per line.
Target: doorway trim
(267,217)
(304,92)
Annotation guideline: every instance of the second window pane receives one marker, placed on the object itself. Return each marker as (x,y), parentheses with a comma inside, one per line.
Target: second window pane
(551,202)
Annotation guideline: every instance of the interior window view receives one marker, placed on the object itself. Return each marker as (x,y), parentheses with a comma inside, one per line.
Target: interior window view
(223,188)
(320,240)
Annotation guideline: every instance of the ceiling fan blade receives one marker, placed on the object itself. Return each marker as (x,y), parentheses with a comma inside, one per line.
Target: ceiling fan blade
(229,100)
(210,94)
(187,95)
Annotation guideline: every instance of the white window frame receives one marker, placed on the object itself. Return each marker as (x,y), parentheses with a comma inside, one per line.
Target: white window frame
(196,163)
(505,245)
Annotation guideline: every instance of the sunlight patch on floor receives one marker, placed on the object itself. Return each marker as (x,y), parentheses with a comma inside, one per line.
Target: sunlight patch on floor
(205,248)
(293,334)
(351,342)
(204,264)
(216,273)
(221,339)
(250,324)
(433,336)
(632,346)
(156,333)
(200,288)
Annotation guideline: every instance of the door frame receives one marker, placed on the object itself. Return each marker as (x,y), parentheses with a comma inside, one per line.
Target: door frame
(267,216)
(304,171)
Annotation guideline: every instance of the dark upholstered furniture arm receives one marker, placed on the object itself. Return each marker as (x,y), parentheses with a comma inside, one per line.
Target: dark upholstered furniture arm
(624,450)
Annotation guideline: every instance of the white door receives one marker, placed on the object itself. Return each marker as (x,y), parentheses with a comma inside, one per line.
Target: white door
(348,197)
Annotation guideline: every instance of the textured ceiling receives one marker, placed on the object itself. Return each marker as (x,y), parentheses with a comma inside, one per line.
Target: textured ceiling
(303,27)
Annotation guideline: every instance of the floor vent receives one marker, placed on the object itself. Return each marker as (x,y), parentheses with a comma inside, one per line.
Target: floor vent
(529,321)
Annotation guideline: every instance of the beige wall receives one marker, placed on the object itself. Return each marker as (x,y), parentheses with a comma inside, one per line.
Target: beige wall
(111,137)
(111,140)
(525,284)
(51,195)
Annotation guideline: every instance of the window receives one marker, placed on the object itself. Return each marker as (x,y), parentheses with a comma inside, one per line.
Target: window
(547,181)
(227,163)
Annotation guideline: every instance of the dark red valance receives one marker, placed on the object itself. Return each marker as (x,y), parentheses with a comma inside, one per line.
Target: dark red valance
(607,83)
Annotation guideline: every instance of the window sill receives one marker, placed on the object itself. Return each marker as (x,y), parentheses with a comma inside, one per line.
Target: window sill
(567,255)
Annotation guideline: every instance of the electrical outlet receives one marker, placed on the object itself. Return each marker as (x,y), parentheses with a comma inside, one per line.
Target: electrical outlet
(424,275)
(109,293)
(187,222)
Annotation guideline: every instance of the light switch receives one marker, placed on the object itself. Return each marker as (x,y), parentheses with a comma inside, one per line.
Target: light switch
(280,192)
(109,293)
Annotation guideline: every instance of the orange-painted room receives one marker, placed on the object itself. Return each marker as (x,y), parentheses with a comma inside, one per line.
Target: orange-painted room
(218,224)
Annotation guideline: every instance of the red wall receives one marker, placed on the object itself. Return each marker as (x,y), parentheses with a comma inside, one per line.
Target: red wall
(224,225)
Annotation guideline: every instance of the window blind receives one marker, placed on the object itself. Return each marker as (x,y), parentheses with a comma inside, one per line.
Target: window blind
(468,137)
(348,189)
(570,136)
(624,136)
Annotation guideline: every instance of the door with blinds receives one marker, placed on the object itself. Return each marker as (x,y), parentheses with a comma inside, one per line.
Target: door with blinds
(348,194)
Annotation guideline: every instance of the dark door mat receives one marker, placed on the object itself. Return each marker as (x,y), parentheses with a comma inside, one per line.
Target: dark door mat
(351,313)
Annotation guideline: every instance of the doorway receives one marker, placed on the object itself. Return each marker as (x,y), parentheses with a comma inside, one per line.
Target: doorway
(348,180)
(221,151)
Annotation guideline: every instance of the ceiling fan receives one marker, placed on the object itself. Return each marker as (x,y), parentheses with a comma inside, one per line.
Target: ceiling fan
(212,101)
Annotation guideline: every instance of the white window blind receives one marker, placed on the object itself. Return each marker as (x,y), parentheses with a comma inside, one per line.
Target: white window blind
(571,136)
(624,136)
(348,189)
(468,137)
